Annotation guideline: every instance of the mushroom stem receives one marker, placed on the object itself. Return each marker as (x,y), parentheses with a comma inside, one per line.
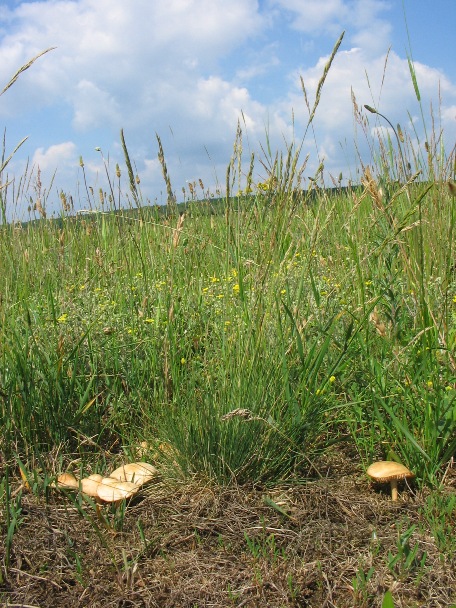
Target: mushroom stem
(394,489)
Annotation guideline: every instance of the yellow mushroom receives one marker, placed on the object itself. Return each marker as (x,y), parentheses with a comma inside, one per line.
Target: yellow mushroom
(89,487)
(95,477)
(67,481)
(114,491)
(387,471)
(139,473)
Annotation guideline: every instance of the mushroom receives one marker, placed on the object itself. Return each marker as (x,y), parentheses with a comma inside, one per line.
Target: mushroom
(89,487)
(387,471)
(114,491)
(67,481)
(139,473)
(95,477)
(109,481)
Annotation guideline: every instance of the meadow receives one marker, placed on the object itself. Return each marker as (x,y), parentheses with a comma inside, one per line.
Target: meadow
(261,346)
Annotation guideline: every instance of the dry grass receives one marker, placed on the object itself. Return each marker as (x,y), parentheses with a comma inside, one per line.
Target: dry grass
(198,545)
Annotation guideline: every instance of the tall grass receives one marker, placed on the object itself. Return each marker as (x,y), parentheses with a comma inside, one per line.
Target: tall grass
(241,339)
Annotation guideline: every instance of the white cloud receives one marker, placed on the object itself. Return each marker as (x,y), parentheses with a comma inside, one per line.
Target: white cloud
(359,18)
(52,157)
(94,106)
(189,70)
(313,15)
(123,48)
(384,83)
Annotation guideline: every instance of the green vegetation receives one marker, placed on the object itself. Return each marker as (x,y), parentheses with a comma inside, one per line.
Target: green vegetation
(248,341)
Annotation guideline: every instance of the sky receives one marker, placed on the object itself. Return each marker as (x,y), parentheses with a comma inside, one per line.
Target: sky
(191,70)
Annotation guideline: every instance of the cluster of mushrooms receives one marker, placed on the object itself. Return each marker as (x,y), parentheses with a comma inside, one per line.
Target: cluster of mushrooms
(123,483)
(128,479)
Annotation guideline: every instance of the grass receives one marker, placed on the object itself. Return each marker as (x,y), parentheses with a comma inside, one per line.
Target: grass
(266,347)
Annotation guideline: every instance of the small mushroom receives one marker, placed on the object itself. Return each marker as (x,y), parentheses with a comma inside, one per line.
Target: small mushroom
(109,481)
(387,471)
(67,481)
(139,473)
(115,491)
(95,477)
(89,487)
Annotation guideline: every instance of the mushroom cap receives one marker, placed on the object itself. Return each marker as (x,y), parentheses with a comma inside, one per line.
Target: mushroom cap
(139,473)
(67,480)
(89,487)
(388,470)
(117,490)
(109,481)
(95,477)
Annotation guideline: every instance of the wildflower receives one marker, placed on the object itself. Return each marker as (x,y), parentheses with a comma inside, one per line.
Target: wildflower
(214,279)
(149,320)
(283,291)
(332,379)
(454,299)
(63,318)
(82,287)
(183,361)
(236,288)
(430,384)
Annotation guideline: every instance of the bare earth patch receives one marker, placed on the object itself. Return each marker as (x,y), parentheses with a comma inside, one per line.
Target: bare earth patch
(329,542)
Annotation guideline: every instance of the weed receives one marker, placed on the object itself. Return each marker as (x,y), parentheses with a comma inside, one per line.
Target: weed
(409,559)
(361,595)
(439,512)
(12,507)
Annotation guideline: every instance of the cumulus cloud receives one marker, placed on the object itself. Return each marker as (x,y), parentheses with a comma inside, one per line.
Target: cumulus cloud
(94,106)
(313,15)
(52,157)
(190,70)
(361,19)
(383,82)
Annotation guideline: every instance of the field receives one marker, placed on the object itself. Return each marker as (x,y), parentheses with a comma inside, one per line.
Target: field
(261,350)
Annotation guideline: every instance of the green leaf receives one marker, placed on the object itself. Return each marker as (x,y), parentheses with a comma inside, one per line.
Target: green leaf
(268,501)
(388,601)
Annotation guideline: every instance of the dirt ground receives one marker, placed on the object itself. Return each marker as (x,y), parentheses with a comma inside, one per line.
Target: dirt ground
(331,542)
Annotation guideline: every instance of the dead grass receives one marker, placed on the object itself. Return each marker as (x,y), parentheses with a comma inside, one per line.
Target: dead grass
(213,547)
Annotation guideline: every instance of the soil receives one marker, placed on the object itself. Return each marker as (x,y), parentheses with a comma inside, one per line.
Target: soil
(329,542)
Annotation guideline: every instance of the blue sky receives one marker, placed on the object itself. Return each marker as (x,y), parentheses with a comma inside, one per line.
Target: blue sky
(190,69)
